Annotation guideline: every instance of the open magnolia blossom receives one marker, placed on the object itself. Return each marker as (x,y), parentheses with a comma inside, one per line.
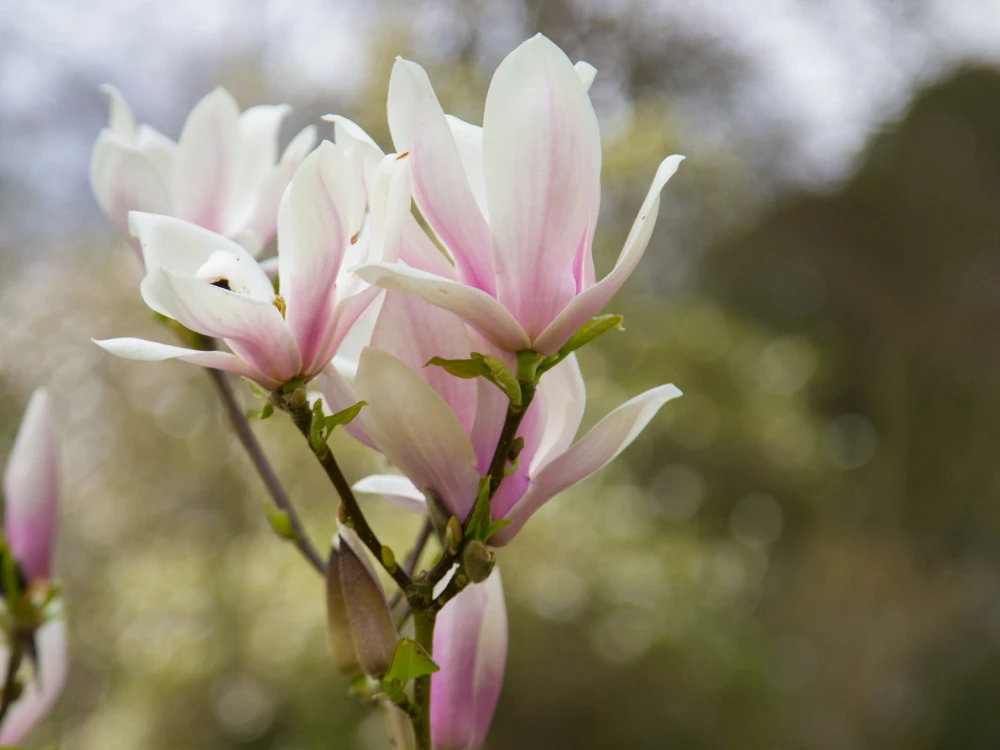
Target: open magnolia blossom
(213,286)
(440,431)
(31,502)
(470,646)
(223,173)
(515,202)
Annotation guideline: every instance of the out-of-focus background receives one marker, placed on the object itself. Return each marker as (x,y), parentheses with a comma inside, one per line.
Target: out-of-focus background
(803,552)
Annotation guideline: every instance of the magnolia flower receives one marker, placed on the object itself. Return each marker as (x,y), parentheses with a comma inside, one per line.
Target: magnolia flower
(514,202)
(470,646)
(214,287)
(440,431)
(31,500)
(223,173)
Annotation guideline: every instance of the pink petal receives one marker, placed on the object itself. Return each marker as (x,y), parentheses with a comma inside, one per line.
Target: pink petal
(345,316)
(564,394)
(418,251)
(31,489)
(591,301)
(469,140)
(596,449)
(414,331)
(542,161)
(151,351)
(206,161)
(440,187)
(416,430)
(470,646)
(478,308)
(314,229)
(124,179)
(253,328)
(39,694)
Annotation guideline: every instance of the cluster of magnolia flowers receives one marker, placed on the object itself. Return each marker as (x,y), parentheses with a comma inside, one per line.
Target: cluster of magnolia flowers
(447,345)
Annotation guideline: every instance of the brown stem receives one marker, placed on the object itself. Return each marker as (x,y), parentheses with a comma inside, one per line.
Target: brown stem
(264,468)
(7,699)
(423,627)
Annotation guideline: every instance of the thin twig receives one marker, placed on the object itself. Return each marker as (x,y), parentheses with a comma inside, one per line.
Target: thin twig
(239,421)
(7,699)
(302,417)
(411,561)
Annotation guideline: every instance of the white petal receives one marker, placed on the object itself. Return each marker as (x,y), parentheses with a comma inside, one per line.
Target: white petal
(469,139)
(439,185)
(542,161)
(360,145)
(586,72)
(121,121)
(596,449)
(159,149)
(314,231)
(389,204)
(252,328)
(179,246)
(414,428)
(124,179)
(417,250)
(240,274)
(41,693)
(397,489)
(262,215)
(206,161)
(591,301)
(151,351)
(256,154)
(564,395)
(478,308)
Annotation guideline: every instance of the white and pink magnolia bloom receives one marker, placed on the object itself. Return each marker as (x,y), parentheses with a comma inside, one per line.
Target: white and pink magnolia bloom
(213,286)
(31,504)
(515,202)
(470,646)
(223,173)
(440,431)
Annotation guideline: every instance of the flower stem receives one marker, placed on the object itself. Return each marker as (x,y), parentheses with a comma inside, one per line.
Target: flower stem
(423,627)
(302,416)
(264,468)
(9,683)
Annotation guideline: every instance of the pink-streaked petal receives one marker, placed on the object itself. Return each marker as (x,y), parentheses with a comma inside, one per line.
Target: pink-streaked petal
(586,72)
(542,161)
(206,161)
(151,351)
(440,187)
(593,451)
(395,488)
(262,217)
(255,154)
(338,394)
(513,486)
(416,430)
(389,207)
(564,394)
(591,301)
(469,140)
(414,331)
(359,144)
(41,692)
(314,231)
(475,306)
(470,646)
(121,121)
(491,411)
(417,250)
(124,179)
(31,489)
(179,246)
(345,316)
(252,328)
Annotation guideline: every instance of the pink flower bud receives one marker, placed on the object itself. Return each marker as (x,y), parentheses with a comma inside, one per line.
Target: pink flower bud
(31,490)
(470,646)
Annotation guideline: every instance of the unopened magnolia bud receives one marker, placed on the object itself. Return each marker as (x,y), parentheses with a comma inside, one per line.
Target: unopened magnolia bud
(342,515)
(367,610)
(338,624)
(478,561)
(515,448)
(453,534)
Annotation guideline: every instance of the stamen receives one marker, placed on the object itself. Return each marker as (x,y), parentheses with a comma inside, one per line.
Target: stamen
(279,302)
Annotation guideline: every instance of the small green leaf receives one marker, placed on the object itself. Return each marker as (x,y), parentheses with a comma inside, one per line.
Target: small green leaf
(317,431)
(502,377)
(479,519)
(409,661)
(254,388)
(462,368)
(251,415)
(345,416)
(266,410)
(292,385)
(495,526)
(588,332)
(280,522)
(511,468)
